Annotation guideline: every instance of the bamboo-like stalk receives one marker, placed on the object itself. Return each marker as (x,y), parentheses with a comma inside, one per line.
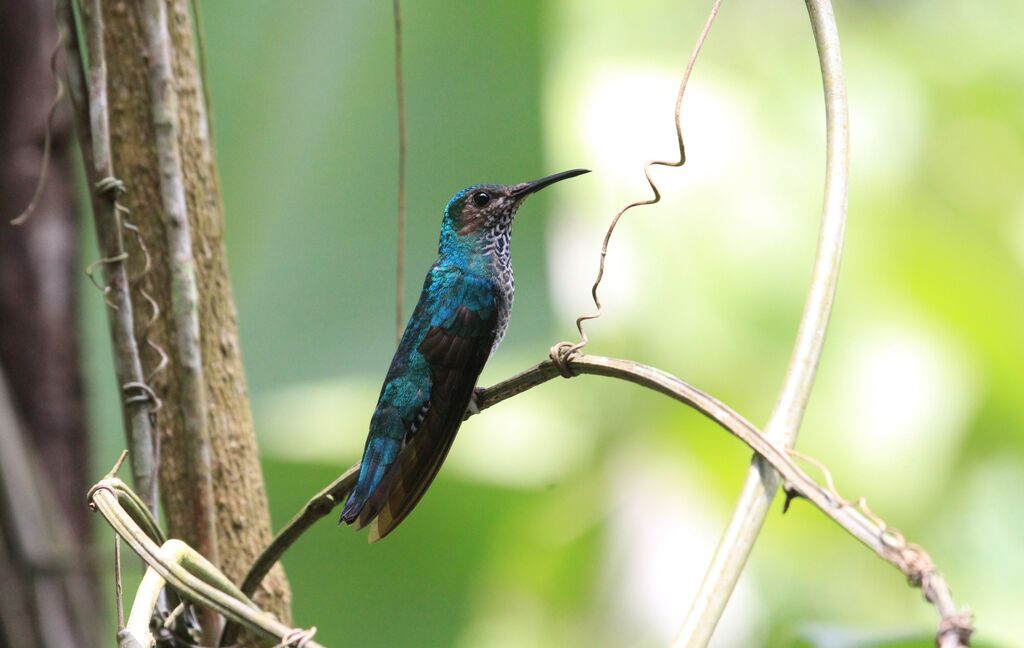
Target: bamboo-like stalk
(136,631)
(762,483)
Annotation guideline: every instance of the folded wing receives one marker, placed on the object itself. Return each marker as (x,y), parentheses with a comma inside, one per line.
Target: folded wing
(456,346)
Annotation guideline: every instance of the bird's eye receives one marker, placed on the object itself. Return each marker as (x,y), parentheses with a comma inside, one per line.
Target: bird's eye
(481,198)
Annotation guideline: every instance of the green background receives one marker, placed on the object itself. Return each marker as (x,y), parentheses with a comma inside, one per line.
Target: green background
(584,512)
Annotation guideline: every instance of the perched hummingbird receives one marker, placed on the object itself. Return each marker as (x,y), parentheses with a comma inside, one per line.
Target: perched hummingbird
(458,322)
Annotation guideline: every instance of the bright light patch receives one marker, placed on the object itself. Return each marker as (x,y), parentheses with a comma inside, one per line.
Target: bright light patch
(573,251)
(661,538)
(1017,232)
(886,120)
(903,398)
(522,443)
(983,522)
(317,422)
(627,120)
(730,222)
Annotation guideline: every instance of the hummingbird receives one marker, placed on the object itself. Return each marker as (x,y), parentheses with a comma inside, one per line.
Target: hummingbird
(459,320)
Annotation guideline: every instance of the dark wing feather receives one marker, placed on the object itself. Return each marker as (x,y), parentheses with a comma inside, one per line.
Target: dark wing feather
(457,354)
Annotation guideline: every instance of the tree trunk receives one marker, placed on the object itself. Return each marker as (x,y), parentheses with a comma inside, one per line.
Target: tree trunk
(44,458)
(208,379)
(39,259)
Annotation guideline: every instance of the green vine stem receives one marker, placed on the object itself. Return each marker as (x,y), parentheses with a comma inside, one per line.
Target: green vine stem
(183,569)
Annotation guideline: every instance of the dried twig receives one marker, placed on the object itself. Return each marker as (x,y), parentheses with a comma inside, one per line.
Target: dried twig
(955,626)
(762,482)
(135,633)
(147,596)
(207,105)
(910,559)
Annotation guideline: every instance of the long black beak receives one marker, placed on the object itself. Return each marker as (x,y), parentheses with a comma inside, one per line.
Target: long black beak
(528,188)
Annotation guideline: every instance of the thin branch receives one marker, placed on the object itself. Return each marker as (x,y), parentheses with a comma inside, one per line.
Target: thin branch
(889,544)
(183,568)
(762,482)
(402,146)
(319,506)
(184,290)
(93,130)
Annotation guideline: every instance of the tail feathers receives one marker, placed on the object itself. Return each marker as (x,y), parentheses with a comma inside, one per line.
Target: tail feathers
(379,455)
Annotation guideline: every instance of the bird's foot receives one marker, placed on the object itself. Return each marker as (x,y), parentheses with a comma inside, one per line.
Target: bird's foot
(473,408)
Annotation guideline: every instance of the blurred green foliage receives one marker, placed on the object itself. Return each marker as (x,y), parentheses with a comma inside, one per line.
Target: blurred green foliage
(583,513)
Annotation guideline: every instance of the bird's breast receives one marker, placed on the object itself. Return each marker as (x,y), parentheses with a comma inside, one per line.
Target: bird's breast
(505,284)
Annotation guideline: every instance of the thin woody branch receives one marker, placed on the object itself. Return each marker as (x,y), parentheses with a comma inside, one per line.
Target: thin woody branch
(184,291)
(93,126)
(319,506)
(910,559)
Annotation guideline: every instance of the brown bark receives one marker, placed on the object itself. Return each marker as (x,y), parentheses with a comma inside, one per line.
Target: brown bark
(241,525)
(39,259)
(48,593)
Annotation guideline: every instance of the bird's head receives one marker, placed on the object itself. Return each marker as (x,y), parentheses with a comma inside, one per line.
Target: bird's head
(478,219)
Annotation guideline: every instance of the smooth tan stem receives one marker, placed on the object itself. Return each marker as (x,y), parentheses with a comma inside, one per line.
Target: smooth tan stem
(320,505)
(136,631)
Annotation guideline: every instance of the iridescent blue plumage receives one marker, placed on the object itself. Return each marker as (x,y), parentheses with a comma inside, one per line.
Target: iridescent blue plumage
(460,318)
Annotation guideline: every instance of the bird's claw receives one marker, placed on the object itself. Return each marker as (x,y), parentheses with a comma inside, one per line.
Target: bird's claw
(473,408)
